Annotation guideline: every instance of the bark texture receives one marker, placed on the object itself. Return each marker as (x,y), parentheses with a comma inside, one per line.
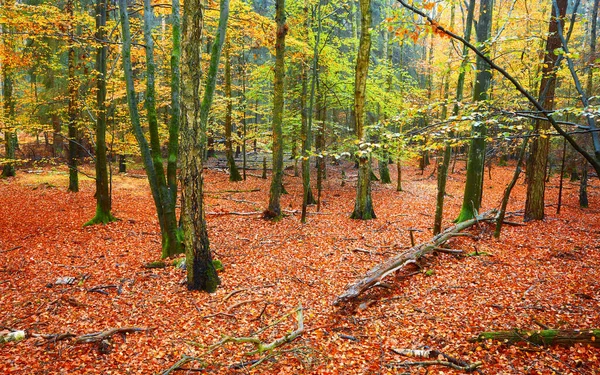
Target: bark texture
(538,159)
(363,206)
(103,198)
(274,210)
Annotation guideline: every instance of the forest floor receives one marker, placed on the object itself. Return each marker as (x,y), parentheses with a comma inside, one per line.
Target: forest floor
(544,273)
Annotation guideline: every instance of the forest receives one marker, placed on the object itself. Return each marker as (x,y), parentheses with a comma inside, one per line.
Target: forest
(299,187)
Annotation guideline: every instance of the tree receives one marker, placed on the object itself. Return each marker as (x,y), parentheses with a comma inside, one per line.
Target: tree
(201,273)
(234,174)
(10,134)
(274,210)
(443,166)
(538,159)
(363,207)
(151,156)
(475,163)
(72,110)
(103,198)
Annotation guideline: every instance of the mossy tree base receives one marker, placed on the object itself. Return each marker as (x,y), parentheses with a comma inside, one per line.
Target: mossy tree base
(234,173)
(544,337)
(101,218)
(363,207)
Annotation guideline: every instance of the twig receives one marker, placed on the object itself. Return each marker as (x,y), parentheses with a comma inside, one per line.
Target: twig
(11,249)
(232,191)
(219,313)
(242,303)
(100,289)
(449,251)
(177,365)
(245,289)
(235,213)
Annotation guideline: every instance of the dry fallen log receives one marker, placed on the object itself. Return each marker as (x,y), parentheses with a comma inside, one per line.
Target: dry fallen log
(380,271)
(98,338)
(544,337)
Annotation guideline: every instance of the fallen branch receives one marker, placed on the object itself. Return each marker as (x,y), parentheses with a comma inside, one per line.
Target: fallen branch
(12,336)
(12,249)
(544,337)
(100,289)
(235,213)
(98,338)
(177,365)
(261,347)
(447,361)
(232,307)
(380,271)
(232,191)
(246,289)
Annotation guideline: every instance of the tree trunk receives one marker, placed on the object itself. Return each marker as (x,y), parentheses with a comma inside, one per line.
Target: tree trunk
(201,273)
(151,159)
(72,108)
(583,196)
(274,210)
(234,174)
(509,187)
(395,263)
(174,123)
(103,198)
(170,243)
(363,207)
(57,139)
(475,162)
(544,337)
(320,144)
(538,159)
(444,165)
(10,135)
(307,116)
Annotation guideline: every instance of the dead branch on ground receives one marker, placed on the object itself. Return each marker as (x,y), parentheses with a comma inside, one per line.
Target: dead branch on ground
(442,359)
(376,275)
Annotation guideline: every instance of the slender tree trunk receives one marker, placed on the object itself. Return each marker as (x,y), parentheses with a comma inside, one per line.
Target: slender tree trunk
(274,210)
(151,159)
(243,109)
(103,198)
(10,134)
(583,197)
(170,243)
(320,144)
(475,163)
(72,108)
(174,123)
(307,116)
(538,163)
(509,187)
(592,58)
(363,207)
(234,174)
